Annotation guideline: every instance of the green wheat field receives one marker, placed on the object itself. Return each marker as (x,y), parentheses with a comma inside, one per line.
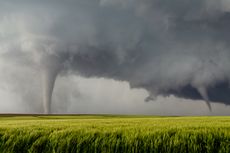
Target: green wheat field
(113,134)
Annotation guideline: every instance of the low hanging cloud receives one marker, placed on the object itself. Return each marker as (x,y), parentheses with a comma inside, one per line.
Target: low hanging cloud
(178,48)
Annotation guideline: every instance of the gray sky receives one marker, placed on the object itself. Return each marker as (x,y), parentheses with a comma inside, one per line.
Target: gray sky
(110,56)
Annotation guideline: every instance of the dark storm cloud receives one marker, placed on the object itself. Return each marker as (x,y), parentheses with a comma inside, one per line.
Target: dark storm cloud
(178,47)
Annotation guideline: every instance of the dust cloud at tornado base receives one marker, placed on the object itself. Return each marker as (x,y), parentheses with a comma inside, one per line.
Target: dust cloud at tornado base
(159,49)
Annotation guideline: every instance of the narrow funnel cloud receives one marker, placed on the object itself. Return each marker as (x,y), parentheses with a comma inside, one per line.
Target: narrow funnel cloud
(50,68)
(204,94)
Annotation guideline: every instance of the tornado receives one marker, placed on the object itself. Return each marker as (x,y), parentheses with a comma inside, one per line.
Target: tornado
(50,69)
(156,45)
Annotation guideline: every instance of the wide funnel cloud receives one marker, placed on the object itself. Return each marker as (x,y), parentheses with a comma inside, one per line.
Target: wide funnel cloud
(178,47)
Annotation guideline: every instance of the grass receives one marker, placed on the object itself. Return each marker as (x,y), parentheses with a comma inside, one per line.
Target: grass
(111,133)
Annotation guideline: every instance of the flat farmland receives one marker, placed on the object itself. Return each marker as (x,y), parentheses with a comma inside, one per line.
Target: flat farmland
(113,134)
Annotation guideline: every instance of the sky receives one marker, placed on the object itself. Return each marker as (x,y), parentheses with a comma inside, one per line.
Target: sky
(154,57)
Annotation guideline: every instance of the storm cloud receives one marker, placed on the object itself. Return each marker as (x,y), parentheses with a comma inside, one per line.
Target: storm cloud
(178,48)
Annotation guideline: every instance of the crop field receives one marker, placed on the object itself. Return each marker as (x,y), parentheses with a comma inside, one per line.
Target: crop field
(113,134)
